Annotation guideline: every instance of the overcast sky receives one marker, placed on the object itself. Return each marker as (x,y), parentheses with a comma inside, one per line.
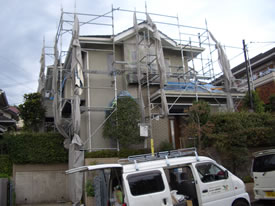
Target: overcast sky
(25,23)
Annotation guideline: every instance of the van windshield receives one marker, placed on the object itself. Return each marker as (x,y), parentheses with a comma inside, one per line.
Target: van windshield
(264,163)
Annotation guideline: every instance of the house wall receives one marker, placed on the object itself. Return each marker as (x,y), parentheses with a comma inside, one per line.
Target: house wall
(160,130)
(103,97)
(99,97)
(266,90)
(101,94)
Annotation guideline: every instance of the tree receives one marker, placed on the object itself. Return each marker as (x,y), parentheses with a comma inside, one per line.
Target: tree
(229,138)
(271,106)
(122,125)
(258,104)
(32,111)
(198,118)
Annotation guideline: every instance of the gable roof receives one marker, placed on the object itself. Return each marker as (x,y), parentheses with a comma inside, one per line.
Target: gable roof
(256,61)
(167,42)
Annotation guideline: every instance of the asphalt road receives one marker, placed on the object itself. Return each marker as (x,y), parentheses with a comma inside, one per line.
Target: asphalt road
(263,203)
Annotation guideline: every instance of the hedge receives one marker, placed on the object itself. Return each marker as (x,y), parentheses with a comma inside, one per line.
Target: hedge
(112,153)
(256,129)
(36,148)
(5,166)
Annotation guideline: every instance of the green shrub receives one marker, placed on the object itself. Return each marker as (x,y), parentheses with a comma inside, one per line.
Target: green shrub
(3,175)
(247,179)
(5,166)
(258,104)
(112,153)
(122,125)
(165,146)
(36,148)
(90,190)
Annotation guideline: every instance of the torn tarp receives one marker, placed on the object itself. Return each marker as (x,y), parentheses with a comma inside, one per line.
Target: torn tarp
(76,154)
(41,81)
(160,63)
(228,76)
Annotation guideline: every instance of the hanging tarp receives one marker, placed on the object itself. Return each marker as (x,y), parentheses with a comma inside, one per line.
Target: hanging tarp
(56,113)
(77,65)
(76,159)
(41,81)
(224,62)
(160,64)
(76,154)
(140,96)
(229,79)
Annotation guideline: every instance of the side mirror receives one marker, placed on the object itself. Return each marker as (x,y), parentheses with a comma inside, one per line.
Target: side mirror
(225,174)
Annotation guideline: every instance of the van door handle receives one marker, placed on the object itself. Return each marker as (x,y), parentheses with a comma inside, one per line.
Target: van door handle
(204,191)
(164,201)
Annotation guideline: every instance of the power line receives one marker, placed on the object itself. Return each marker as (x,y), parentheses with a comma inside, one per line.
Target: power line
(262,42)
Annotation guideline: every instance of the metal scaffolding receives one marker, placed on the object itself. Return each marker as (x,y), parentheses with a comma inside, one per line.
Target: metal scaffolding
(191,43)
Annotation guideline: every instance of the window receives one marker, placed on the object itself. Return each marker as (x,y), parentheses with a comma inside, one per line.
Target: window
(264,163)
(145,183)
(209,172)
(181,174)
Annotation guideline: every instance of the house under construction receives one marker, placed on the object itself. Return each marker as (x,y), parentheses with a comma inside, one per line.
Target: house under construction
(164,65)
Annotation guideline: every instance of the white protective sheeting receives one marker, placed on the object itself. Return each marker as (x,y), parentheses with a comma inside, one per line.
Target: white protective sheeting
(56,113)
(76,155)
(229,79)
(160,64)
(77,65)
(140,96)
(41,81)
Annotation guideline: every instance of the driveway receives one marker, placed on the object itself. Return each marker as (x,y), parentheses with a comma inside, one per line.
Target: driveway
(52,204)
(249,189)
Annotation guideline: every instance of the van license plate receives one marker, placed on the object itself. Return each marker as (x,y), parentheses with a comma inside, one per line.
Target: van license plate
(270,194)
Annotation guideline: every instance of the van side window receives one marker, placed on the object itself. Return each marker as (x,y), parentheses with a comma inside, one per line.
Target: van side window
(145,183)
(209,172)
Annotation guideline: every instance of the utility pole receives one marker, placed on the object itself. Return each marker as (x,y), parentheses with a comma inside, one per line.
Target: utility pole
(248,79)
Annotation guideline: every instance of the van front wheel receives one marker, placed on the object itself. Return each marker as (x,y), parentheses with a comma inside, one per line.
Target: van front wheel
(240,203)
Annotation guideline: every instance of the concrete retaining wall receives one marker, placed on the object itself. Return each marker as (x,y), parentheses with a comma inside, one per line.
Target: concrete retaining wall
(40,183)
(3,191)
(93,161)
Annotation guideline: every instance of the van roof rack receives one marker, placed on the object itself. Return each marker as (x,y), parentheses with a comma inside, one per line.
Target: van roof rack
(161,155)
(264,152)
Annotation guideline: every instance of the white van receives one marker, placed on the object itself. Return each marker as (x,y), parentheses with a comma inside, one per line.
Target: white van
(263,169)
(170,178)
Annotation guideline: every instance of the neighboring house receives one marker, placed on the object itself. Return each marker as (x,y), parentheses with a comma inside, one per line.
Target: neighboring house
(8,114)
(111,66)
(262,77)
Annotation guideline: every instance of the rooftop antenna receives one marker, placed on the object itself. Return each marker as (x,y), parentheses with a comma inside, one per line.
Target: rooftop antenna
(74,7)
(61,7)
(44,41)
